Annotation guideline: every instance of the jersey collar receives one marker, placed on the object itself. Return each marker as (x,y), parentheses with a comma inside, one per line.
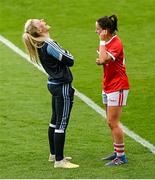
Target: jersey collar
(111,39)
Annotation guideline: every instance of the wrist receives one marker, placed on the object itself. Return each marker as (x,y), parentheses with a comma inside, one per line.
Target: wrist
(102,43)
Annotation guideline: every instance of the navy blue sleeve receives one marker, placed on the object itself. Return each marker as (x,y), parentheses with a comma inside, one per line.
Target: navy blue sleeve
(59,53)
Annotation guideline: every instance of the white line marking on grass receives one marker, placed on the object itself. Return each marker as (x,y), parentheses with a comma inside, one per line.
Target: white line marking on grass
(130,133)
(84,98)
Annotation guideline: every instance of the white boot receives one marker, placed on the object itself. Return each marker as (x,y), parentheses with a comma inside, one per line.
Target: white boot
(65,164)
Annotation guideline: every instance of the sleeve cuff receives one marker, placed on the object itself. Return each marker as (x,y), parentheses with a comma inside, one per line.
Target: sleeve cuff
(111,55)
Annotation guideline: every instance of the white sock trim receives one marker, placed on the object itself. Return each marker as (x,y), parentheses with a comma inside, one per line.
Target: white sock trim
(52,125)
(59,131)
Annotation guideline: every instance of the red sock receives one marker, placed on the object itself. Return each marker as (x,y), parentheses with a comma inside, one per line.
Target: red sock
(119,149)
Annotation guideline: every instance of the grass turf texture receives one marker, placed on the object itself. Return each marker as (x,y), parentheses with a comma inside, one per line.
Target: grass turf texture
(24,121)
(25,102)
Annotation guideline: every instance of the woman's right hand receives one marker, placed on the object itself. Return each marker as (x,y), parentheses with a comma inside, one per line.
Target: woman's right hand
(103,35)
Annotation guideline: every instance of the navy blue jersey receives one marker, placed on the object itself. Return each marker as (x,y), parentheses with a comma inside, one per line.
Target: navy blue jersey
(56,62)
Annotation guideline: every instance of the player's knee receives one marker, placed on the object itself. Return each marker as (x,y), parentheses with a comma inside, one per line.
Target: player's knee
(112,124)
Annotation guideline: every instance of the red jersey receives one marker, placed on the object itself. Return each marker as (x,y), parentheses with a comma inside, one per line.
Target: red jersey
(115,77)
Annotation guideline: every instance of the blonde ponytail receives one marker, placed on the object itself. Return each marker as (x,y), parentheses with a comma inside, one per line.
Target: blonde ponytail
(32,40)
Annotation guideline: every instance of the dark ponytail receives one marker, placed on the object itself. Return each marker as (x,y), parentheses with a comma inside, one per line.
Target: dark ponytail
(109,23)
(113,18)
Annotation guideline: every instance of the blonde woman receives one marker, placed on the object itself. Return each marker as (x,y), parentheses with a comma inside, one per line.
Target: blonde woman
(56,62)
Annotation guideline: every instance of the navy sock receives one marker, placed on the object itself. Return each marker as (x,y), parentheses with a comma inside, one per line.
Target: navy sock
(59,139)
(51,139)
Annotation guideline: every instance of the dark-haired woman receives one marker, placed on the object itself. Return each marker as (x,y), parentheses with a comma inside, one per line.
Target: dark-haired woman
(115,83)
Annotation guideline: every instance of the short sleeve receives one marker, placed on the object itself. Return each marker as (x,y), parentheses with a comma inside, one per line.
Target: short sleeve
(114,49)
